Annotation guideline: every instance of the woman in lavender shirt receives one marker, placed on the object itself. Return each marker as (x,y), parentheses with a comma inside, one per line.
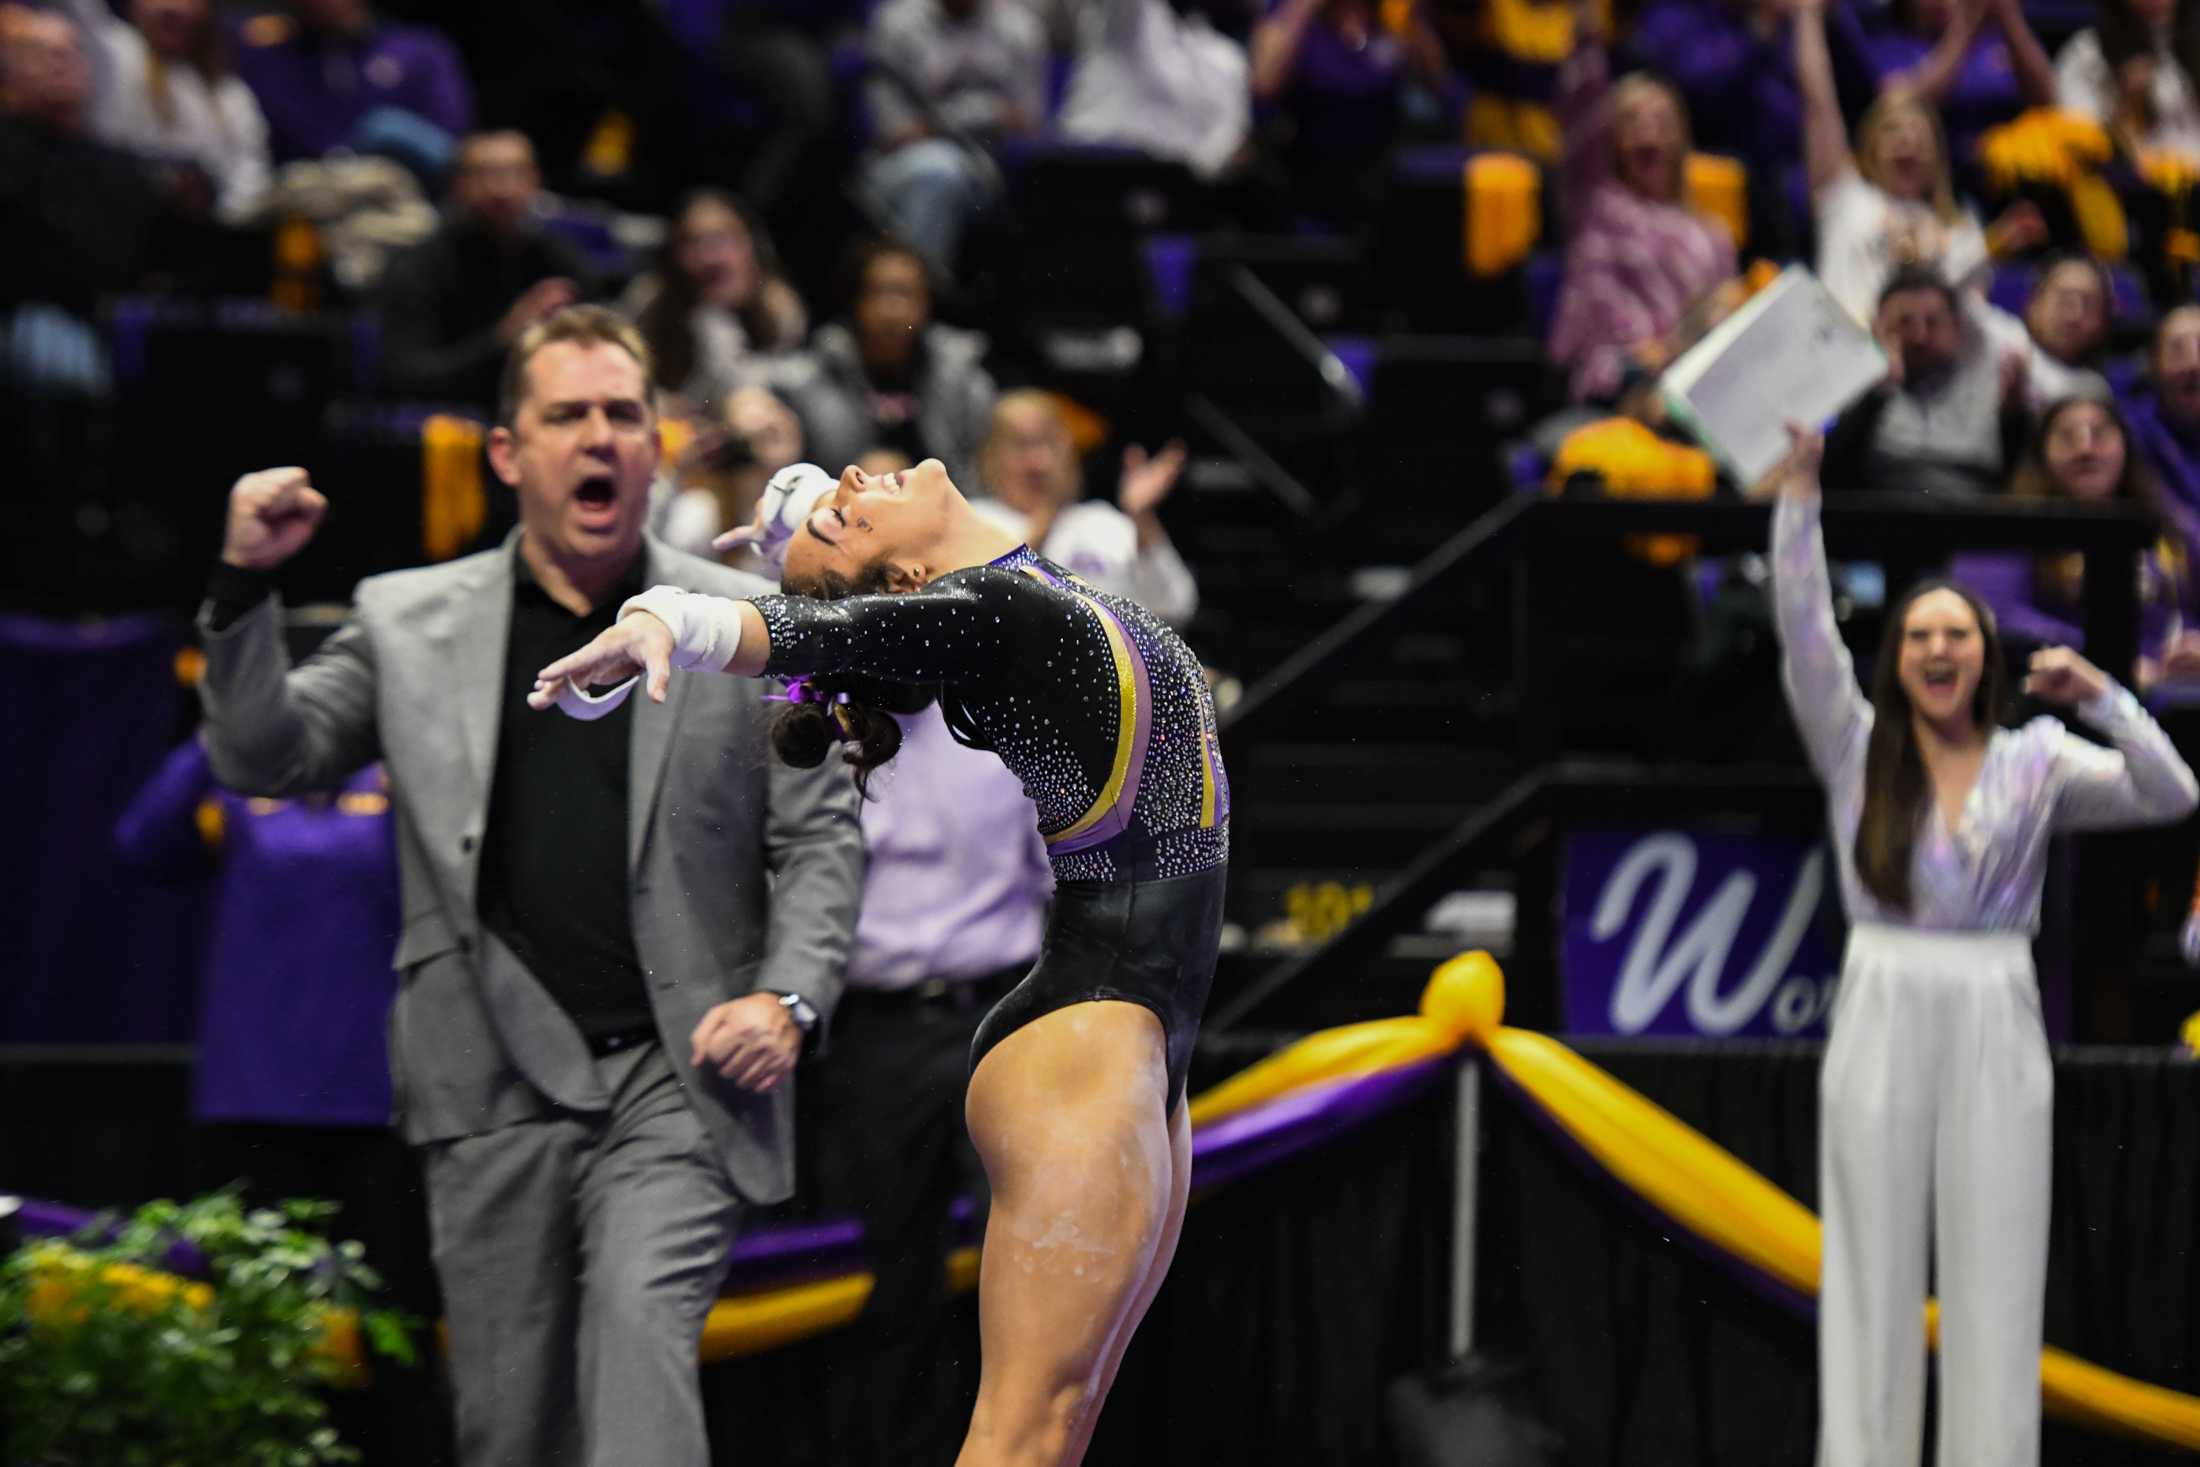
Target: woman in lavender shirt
(1936,1094)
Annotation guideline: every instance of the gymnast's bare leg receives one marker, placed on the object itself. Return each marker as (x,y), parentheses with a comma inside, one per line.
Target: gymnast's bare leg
(1089,1180)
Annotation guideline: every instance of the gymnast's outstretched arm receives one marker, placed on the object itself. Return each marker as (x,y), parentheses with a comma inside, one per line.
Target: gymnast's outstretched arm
(957,630)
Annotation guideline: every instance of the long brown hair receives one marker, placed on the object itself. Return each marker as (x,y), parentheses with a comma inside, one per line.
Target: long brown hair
(1896,791)
(666,320)
(2062,576)
(1942,196)
(848,709)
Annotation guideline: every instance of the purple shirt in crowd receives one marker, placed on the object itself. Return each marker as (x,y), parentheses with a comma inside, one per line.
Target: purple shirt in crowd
(2028,611)
(2174,451)
(315,86)
(958,881)
(1344,98)
(296,988)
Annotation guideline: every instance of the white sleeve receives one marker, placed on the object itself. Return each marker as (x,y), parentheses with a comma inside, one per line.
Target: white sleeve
(706,630)
(1163,584)
(2082,80)
(1830,710)
(2141,781)
(248,173)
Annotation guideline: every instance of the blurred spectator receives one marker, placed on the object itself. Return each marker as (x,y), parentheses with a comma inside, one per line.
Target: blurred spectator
(1734,62)
(1333,74)
(878,462)
(1162,81)
(1951,412)
(2064,327)
(728,469)
(2083,451)
(1890,204)
(775,53)
(1637,253)
(1036,484)
(2166,423)
(79,220)
(892,376)
(716,304)
(1974,62)
(2133,74)
(453,304)
(297,984)
(330,76)
(161,87)
(949,77)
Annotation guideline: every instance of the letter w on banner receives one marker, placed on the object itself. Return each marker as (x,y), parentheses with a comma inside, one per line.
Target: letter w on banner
(1696,933)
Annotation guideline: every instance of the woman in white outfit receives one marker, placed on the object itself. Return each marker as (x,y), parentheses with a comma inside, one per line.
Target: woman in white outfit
(1936,1093)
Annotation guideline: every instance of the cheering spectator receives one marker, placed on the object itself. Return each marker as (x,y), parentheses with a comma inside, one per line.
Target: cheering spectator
(2083,452)
(1164,82)
(1037,486)
(892,377)
(1637,253)
(455,303)
(950,77)
(2064,327)
(1890,204)
(716,304)
(1975,62)
(2133,74)
(1951,410)
(329,75)
(2166,423)
(161,87)
(728,469)
(1334,74)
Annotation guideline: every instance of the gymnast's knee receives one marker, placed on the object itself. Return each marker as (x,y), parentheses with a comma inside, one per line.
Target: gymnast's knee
(1033,1433)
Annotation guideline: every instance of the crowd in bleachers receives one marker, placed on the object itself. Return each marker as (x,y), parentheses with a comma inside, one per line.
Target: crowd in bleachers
(845,228)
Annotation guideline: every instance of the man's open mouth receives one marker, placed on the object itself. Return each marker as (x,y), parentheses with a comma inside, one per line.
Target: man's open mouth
(598,492)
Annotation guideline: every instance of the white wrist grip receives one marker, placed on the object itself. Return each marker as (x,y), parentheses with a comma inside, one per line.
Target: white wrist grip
(705,629)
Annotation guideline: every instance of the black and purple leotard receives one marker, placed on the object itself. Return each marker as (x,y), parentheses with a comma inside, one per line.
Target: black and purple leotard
(1104,714)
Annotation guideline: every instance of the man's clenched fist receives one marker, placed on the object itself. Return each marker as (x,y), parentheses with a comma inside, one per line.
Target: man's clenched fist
(272,514)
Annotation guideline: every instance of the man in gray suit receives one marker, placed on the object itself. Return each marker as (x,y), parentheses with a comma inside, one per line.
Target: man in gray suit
(617,932)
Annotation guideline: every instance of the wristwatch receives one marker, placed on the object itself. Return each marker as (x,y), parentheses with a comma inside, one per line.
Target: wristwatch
(798,1009)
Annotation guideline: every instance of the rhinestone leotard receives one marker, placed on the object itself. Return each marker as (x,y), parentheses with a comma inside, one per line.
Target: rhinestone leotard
(1038,666)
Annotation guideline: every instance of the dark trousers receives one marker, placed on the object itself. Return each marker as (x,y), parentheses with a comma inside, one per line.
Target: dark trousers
(883,1138)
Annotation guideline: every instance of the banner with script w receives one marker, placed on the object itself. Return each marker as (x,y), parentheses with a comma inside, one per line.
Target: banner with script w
(1702,934)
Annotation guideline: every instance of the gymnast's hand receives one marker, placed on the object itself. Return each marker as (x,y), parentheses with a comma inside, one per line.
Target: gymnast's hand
(636,643)
(2059,675)
(751,1041)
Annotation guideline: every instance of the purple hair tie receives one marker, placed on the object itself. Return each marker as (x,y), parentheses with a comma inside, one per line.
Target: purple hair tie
(800,691)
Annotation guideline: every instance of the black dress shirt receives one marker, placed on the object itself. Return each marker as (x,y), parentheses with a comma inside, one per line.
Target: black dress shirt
(554,879)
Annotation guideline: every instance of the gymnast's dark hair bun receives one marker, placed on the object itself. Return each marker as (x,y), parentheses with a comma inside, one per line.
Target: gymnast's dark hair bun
(863,727)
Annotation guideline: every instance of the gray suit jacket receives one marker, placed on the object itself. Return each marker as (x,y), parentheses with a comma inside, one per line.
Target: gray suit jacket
(745,872)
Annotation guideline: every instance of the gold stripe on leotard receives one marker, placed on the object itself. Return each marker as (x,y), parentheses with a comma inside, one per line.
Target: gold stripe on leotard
(1126,728)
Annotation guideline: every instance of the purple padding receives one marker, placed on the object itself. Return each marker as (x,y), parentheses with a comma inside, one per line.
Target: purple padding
(1430,163)
(1546,273)
(1170,259)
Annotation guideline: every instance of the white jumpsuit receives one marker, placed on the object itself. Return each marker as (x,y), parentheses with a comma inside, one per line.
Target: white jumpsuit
(1936,1092)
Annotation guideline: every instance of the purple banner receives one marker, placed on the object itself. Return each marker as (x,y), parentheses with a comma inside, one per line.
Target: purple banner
(1697,934)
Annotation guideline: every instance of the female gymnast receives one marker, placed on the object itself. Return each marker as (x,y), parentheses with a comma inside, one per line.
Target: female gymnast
(1936,1092)
(1077,1084)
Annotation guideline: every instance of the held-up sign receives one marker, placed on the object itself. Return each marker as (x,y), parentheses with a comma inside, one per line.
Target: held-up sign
(1692,933)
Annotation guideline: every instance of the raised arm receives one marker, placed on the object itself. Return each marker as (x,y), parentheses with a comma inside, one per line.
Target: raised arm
(1275,48)
(958,630)
(1930,79)
(272,730)
(2035,69)
(1585,148)
(2142,780)
(1826,155)
(1830,710)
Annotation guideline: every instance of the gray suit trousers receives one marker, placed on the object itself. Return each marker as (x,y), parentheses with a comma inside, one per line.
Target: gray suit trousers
(608,1228)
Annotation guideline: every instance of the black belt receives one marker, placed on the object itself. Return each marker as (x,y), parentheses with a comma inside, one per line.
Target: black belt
(960,994)
(617,1041)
